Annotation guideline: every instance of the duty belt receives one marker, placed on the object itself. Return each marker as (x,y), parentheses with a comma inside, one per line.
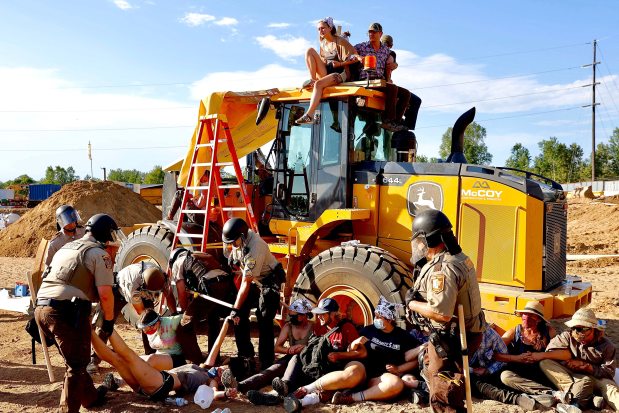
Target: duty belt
(61,304)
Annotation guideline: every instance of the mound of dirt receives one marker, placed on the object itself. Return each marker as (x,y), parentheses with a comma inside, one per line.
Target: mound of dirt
(592,227)
(89,198)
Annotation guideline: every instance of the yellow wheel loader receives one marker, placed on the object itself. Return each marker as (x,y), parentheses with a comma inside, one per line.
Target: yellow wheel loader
(336,200)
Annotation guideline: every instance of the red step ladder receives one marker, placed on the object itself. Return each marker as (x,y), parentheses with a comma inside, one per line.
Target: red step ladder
(213,131)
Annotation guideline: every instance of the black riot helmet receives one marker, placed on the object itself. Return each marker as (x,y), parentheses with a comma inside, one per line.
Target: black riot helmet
(65,215)
(101,226)
(431,228)
(234,229)
(175,254)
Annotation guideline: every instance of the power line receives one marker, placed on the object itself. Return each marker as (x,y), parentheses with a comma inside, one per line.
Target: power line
(97,129)
(96,110)
(94,149)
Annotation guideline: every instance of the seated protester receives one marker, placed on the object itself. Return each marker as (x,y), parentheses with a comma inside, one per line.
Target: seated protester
(582,361)
(161,333)
(139,285)
(390,352)
(329,68)
(202,273)
(148,381)
(411,112)
(194,203)
(324,363)
(397,98)
(296,332)
(486,370)
(526,345)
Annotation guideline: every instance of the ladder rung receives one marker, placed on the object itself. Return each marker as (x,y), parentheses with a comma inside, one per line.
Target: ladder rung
(202,164)
(204,145)
(193,211)
(224,164)
(197,187)
(235,186)
(234,209)
(187,235)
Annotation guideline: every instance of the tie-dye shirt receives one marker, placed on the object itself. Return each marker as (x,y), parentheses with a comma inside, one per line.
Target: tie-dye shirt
(164,340)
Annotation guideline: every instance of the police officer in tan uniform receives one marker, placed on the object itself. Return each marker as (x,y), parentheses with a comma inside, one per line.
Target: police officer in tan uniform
(447,278)
(262,276)
(80,273)
(67,224)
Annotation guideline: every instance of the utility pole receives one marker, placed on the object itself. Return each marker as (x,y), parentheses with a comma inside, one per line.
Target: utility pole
(593,105)
(104,173)
(92,175)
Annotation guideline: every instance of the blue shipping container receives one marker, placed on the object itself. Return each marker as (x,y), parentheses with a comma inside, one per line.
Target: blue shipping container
(40,192)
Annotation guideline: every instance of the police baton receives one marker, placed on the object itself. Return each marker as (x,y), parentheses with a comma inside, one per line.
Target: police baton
(213,299)
(465,358)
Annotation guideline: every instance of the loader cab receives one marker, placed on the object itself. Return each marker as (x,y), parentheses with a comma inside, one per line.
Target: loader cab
(313,161)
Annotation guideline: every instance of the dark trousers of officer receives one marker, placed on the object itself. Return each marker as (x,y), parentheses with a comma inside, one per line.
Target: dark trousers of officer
(70,326)
(266,300)
(445,395)
(200,311)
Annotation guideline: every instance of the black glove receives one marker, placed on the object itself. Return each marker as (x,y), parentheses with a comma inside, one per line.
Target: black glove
(233,312)
(107,327)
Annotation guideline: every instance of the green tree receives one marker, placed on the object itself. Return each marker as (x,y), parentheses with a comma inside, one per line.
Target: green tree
(603,161)
(154,176)
(475,149)
(126,175)
(59,175)
(613,148)
(20,180)
(520,158)
(559,162)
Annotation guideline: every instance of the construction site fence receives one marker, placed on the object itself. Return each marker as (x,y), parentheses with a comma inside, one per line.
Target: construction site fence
(608,187)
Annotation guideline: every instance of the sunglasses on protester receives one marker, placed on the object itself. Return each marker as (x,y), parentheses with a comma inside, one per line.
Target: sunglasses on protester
(581,329)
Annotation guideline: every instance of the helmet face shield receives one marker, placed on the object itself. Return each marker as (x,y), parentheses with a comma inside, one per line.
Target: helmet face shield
(419,247)
(66,217)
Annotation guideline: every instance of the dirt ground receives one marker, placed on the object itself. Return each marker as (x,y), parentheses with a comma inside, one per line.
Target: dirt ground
(25,387)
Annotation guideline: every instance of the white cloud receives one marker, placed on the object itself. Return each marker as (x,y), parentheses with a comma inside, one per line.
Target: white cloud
(287,47)
(196,19)
(227,21)
(122,4)
(278,25)
(267,77)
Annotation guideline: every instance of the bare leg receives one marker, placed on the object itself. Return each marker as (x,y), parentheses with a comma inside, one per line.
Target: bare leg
(384,387)
(332,79)
(159,361)
(315,65)
(352,375)
(108,355)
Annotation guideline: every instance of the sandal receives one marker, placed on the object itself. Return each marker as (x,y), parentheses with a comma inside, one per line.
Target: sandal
(308,84)
(304,120)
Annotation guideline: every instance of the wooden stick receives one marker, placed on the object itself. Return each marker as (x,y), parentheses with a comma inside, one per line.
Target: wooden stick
(465,359)
(212,356)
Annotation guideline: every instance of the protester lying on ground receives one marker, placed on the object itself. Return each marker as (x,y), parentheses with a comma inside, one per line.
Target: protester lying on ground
(328,67)
(296,332)
(582,361)
(161,334)
(389,352)
(526,346)
(326,356)
(148,381)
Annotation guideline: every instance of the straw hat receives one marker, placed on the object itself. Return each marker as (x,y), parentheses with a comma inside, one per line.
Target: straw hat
(584,317)
(534,307)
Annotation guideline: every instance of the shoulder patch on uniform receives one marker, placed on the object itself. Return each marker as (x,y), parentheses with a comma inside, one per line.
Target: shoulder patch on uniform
(438,283)
(469,264)
(108,261)
(250,262)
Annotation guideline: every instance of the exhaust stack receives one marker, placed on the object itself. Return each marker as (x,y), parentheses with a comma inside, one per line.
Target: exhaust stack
(457,137)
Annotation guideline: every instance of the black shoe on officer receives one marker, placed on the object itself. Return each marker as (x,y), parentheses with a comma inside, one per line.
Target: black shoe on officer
(263,399)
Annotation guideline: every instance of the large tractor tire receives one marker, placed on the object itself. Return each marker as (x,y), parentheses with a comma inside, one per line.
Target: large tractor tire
(356,276)
(152,243)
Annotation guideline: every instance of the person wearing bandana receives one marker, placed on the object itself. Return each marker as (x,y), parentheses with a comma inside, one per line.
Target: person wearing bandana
(261,279)
(446,279)
(390,353)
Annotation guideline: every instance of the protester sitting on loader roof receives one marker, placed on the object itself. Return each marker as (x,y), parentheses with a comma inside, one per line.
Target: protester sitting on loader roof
(387,352)
(582,361)
(148,381)
(328,68)
(526,345)
(397,98)
(296,332)
(161,333)
(319,369)
(67,224)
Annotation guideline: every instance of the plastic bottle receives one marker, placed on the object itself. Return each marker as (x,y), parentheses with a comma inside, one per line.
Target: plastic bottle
(176,401)
(4,294)
(569,283)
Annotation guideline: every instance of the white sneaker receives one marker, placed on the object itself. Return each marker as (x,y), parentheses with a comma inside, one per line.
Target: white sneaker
(309,399)
(567,408)
(526,402)
(562,397)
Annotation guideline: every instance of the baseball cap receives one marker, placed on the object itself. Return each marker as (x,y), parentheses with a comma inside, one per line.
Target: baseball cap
(204,396)
(376,27)
(326,305)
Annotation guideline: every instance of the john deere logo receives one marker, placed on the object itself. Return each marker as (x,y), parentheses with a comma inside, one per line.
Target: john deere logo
(424,195)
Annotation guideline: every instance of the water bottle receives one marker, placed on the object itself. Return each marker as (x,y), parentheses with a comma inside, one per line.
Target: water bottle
(176,401)
(569,283)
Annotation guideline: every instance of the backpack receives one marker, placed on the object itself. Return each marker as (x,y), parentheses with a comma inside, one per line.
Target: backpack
(313,357)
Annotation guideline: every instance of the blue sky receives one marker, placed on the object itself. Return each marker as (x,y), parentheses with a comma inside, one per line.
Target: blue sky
(127,75)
